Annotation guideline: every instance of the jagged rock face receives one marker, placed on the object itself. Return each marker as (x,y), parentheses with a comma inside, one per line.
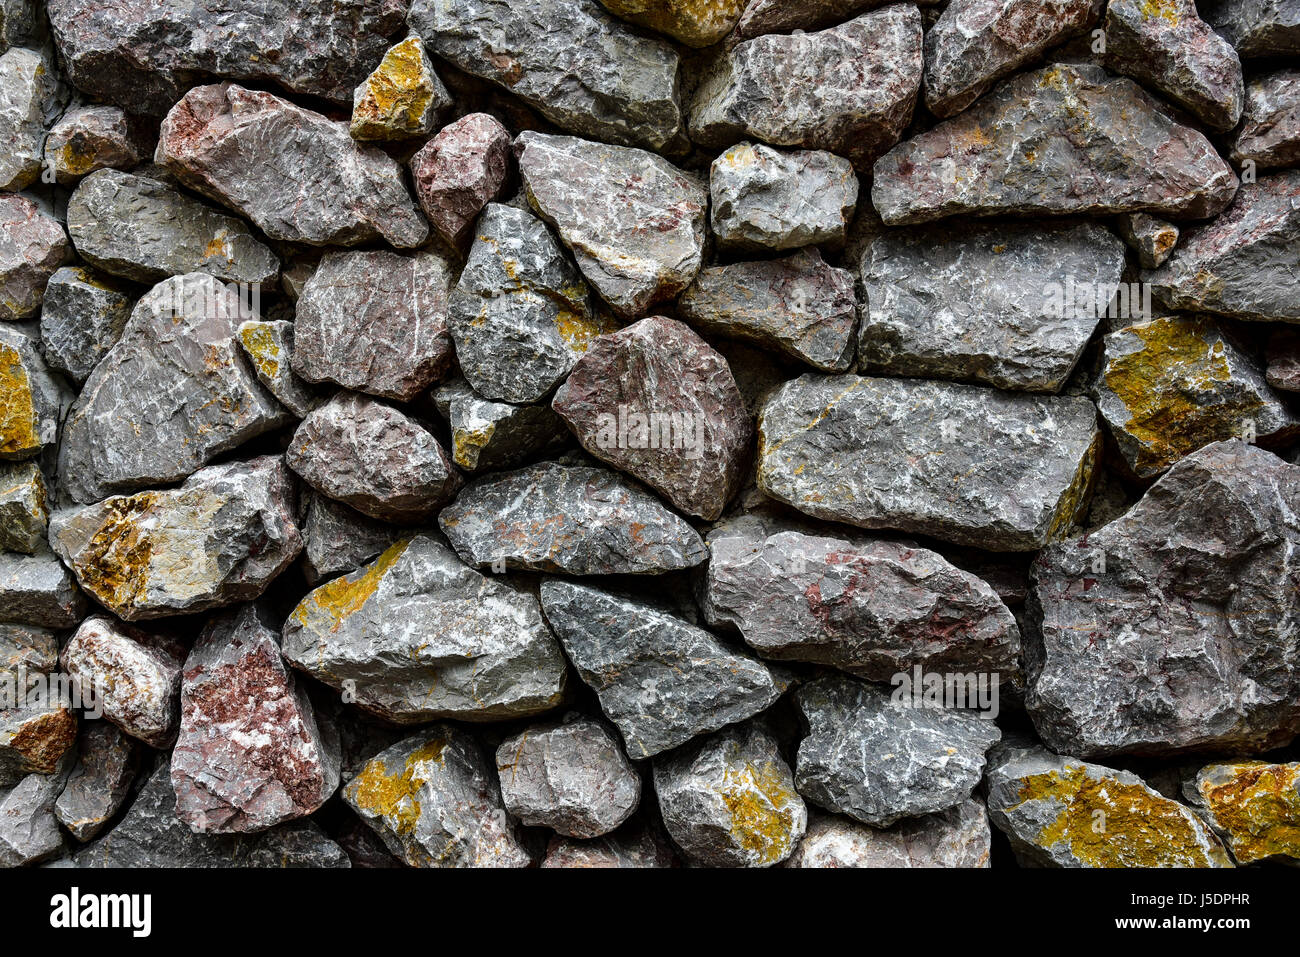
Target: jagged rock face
(1270,129)
(90,138)
(402,98)
(100,782)
(32,246)
(30,98)
(338,539)
(24,509)
(460,171)
(1171,629)
(492,435)
(32,401)
(786,16)
(1257,28)
(38,590)
(1253,806)
(1150,237)
(83,316)
(269,348)
(958,837)
(696,23)
(641,848)
(29,831)
(36,729)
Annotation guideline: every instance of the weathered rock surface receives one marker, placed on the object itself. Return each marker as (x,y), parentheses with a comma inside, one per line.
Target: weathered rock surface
(656,401)
(1257,28)
(459,172)
(24,512)
(38,724)
(1270,130)
(786,16)
(220,538)
(402,98)
(338,539)
(374,458)
(958,837)
(1254,806)
(1062,812)
(579,521)
(100,781)
(1052,142)
(30,95)
(635,223)
(90,138)
(1150,237)
(37,590)
(317,186)
(572,777)
(696,23)
(637,848)
(29,831)
(492,435)
(570,60)
(970,465)
(32,246)
(417,635)
(32,401)
(849,89)
(83,317)
(269,347)
(1186,640)
(986,304)
(1283,356)
(434,801)
(20,23)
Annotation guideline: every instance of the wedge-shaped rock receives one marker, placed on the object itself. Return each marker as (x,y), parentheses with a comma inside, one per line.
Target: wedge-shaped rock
(1063,812)
(460,171)
(1257,28)
(991,304)
(417,635)
(83,317)
(492,435)
(1170,386)
(375,322)
(971,465)
(521,315)
(1241,264)
(572,777)
(317,186)
(1270,130)
(656,401)
(32,401)
(872,608)
(402,98)
(850,89)
(32,246)
(433,799)
(372,457)
(957,837)
(30,95)
(581,68)
(100,781)
(90,138)
(559,518)
(1150,237)
(1186,639)
(144,54)
(1254,806)
(38,590)
(661,680)
(250,753)
(1052,142)
(696,23)
(975,43)
(218,539)
(635,222)
(24,512)
(879,760)
(29,831)
(269,348)
(339,539)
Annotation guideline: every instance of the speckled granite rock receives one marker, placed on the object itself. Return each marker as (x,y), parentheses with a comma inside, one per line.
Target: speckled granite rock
(83,317)
(32,246)
(1150,237)
(1254,806)
(402,98)
(460,171)
(32,401)
(1270,130)
(90,138)
(38,590)
(30,98)
(24,509)
(958,837)
(100,781)
(1257,28)
(493,435)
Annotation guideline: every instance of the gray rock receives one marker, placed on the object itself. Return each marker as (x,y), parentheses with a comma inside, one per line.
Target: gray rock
(459,172)
(879,760)
(766,199)
(1052,142)
(417,635)
(338,539)
(269,348)
(402,98)
(30,97)
(1150,237)
(1270,130)
(849,89)
(786,16)
(24,512)
(1184,639)
(29,831)
(374,458)
(661,680)
(316,187)
(521,315)
(1252,806)
(957,837)
(37,590)
(90,138)
(636,848)
(1283,355)
(492,435)
(38,724)
(20,23)
(635,223)
(572,777)
(570,60)
(1257,28)
(32,246)
(100,781)
(1240,264)
(220,538)
(375,322)
(571,519)
(987,304)
(434,801)
(970,465)
(83,317)
(32,401)
(686,21)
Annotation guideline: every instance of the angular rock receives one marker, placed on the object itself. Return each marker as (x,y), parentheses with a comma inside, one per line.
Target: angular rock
(729,800)
(958,837)
(134,678)
(83,317)
(32,401)
(1052,142)
(1168,47)
(986,304)
(696,23)
(372,457)
(375,322)
(339,539)
(656,401)
(29,831)
(317,186)
(24,512)
(1270,131)
(1257,28)
(870,607)
(402,98)
(1150,237)
(1186,640)
(492,435)
(32,246)
(1283,354)
(1062,812)
(1242,263)
(570,519)
(20,23)
(786,16)
(100,781)
(220,538)
(434,801)
(570,60)
(144,54)
(90,138)
(459,172)
(879,760)
(250,753)
(1172,385)
(638,848)
(970,465)
(849,89)
(417,635)
(269,348)
(1254,806)
(661,680)
(38,590)
(635,223)
(571,777)
(30,95)
(38,724)
(521,316)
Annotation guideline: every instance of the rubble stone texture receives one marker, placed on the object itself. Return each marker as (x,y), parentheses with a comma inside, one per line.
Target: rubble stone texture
(460,171)
(20,23)
(99,784)
(91,138)
(37,589)
(269,348)
(786,16)
(1270,131)
(1283,356)
(32,401)
(30,96)
(36,729)
(29,831)
(958,837)
(696,23)
(1257,28)
(401,98)
(24,507)
(83,316)
(1254,806)
(492,435)
(32,246)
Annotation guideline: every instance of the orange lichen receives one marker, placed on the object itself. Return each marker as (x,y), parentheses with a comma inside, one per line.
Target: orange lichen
(395,796)
(1258,805)
(759,803)
(18,418)
(345,596)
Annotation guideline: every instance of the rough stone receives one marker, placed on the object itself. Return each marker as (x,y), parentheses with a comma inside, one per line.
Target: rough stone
(338,539)
(958,837)
(83,317)
(100,781)
(32,246)
(1283,354)
(32,401)
(37,590)
(493,435)
(20,23)
(24,512)
(269,347)
(696,23)
(1269,135)
(30,96)
(786,16)
(637,848)
(402,98)
(459,172)
(1254,806)
(90,138)
(29,831)
(1150,237)
(1257,28)
(38,724)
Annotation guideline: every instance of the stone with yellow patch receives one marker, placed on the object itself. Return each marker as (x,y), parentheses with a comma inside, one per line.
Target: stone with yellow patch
(269,347)
(1254,806)
(24,509)
(402,98)
(31,399)
(696,23)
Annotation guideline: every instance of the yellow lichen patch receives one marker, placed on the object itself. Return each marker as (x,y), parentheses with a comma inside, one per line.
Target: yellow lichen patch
(394,796)
(219,248)
(114,565)
(578,330)
(399,92)
(1104,822)
(696,22)
(345,596)
(74,160)
(1072,505)
(760,803)
(19,428)
(1258,805)
(468,444)
(742,155)
(1164,9)
(260,344)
